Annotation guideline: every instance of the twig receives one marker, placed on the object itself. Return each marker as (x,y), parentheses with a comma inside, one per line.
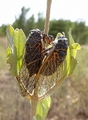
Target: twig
(34,103)
(33,109)
(46,27)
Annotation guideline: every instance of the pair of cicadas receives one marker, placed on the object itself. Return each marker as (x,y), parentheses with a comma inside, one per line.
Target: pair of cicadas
(42,67)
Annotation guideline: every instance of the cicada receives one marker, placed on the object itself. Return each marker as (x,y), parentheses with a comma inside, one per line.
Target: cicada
(42,67)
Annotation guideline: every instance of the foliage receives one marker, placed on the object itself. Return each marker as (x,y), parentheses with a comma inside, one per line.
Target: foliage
(42,108)
(3,30)
(40,22)
(79,29)
(59,25)
(15,49)
(21,21)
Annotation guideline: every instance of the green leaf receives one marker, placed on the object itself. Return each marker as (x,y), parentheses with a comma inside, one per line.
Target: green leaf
(71,40)
(70,61)
(58,35)
(73,48)
(69,64)
(9,33)
(42,108)
(14,53)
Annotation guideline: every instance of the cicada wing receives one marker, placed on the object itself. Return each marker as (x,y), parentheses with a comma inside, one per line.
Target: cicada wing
(51,71)
(31,63)
(45,83)
(26,83)
(49,76)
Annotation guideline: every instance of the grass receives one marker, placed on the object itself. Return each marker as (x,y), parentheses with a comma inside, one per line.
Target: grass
(2,53)
(69,101)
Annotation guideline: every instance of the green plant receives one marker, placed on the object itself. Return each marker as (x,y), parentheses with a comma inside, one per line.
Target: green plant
(15,53)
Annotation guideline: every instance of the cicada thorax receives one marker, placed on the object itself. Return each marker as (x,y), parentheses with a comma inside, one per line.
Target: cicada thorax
(33,56)
(54,56)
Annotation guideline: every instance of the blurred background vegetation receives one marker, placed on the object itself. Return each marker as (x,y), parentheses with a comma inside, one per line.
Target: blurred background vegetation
(70,100)
(79,29)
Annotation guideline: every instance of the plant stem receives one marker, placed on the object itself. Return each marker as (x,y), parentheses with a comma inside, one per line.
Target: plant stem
(46,27)
(33,109)
(34,102)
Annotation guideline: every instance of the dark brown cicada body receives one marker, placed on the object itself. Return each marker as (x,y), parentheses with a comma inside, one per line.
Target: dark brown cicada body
(42,67)
(33,57)
(54,55)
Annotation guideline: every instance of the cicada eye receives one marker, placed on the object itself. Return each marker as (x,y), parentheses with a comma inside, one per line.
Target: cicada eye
(61,42)
(51,38)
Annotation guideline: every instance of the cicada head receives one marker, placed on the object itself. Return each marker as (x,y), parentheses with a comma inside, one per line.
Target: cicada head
(48,38)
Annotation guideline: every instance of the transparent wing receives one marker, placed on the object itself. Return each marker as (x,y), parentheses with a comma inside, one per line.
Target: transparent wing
(49,75)
(31,63)
(26,83)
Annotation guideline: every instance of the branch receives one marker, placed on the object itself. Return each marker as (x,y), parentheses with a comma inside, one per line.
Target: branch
(46,27)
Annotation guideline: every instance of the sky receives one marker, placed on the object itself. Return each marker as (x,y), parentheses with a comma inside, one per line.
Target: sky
(74,10)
